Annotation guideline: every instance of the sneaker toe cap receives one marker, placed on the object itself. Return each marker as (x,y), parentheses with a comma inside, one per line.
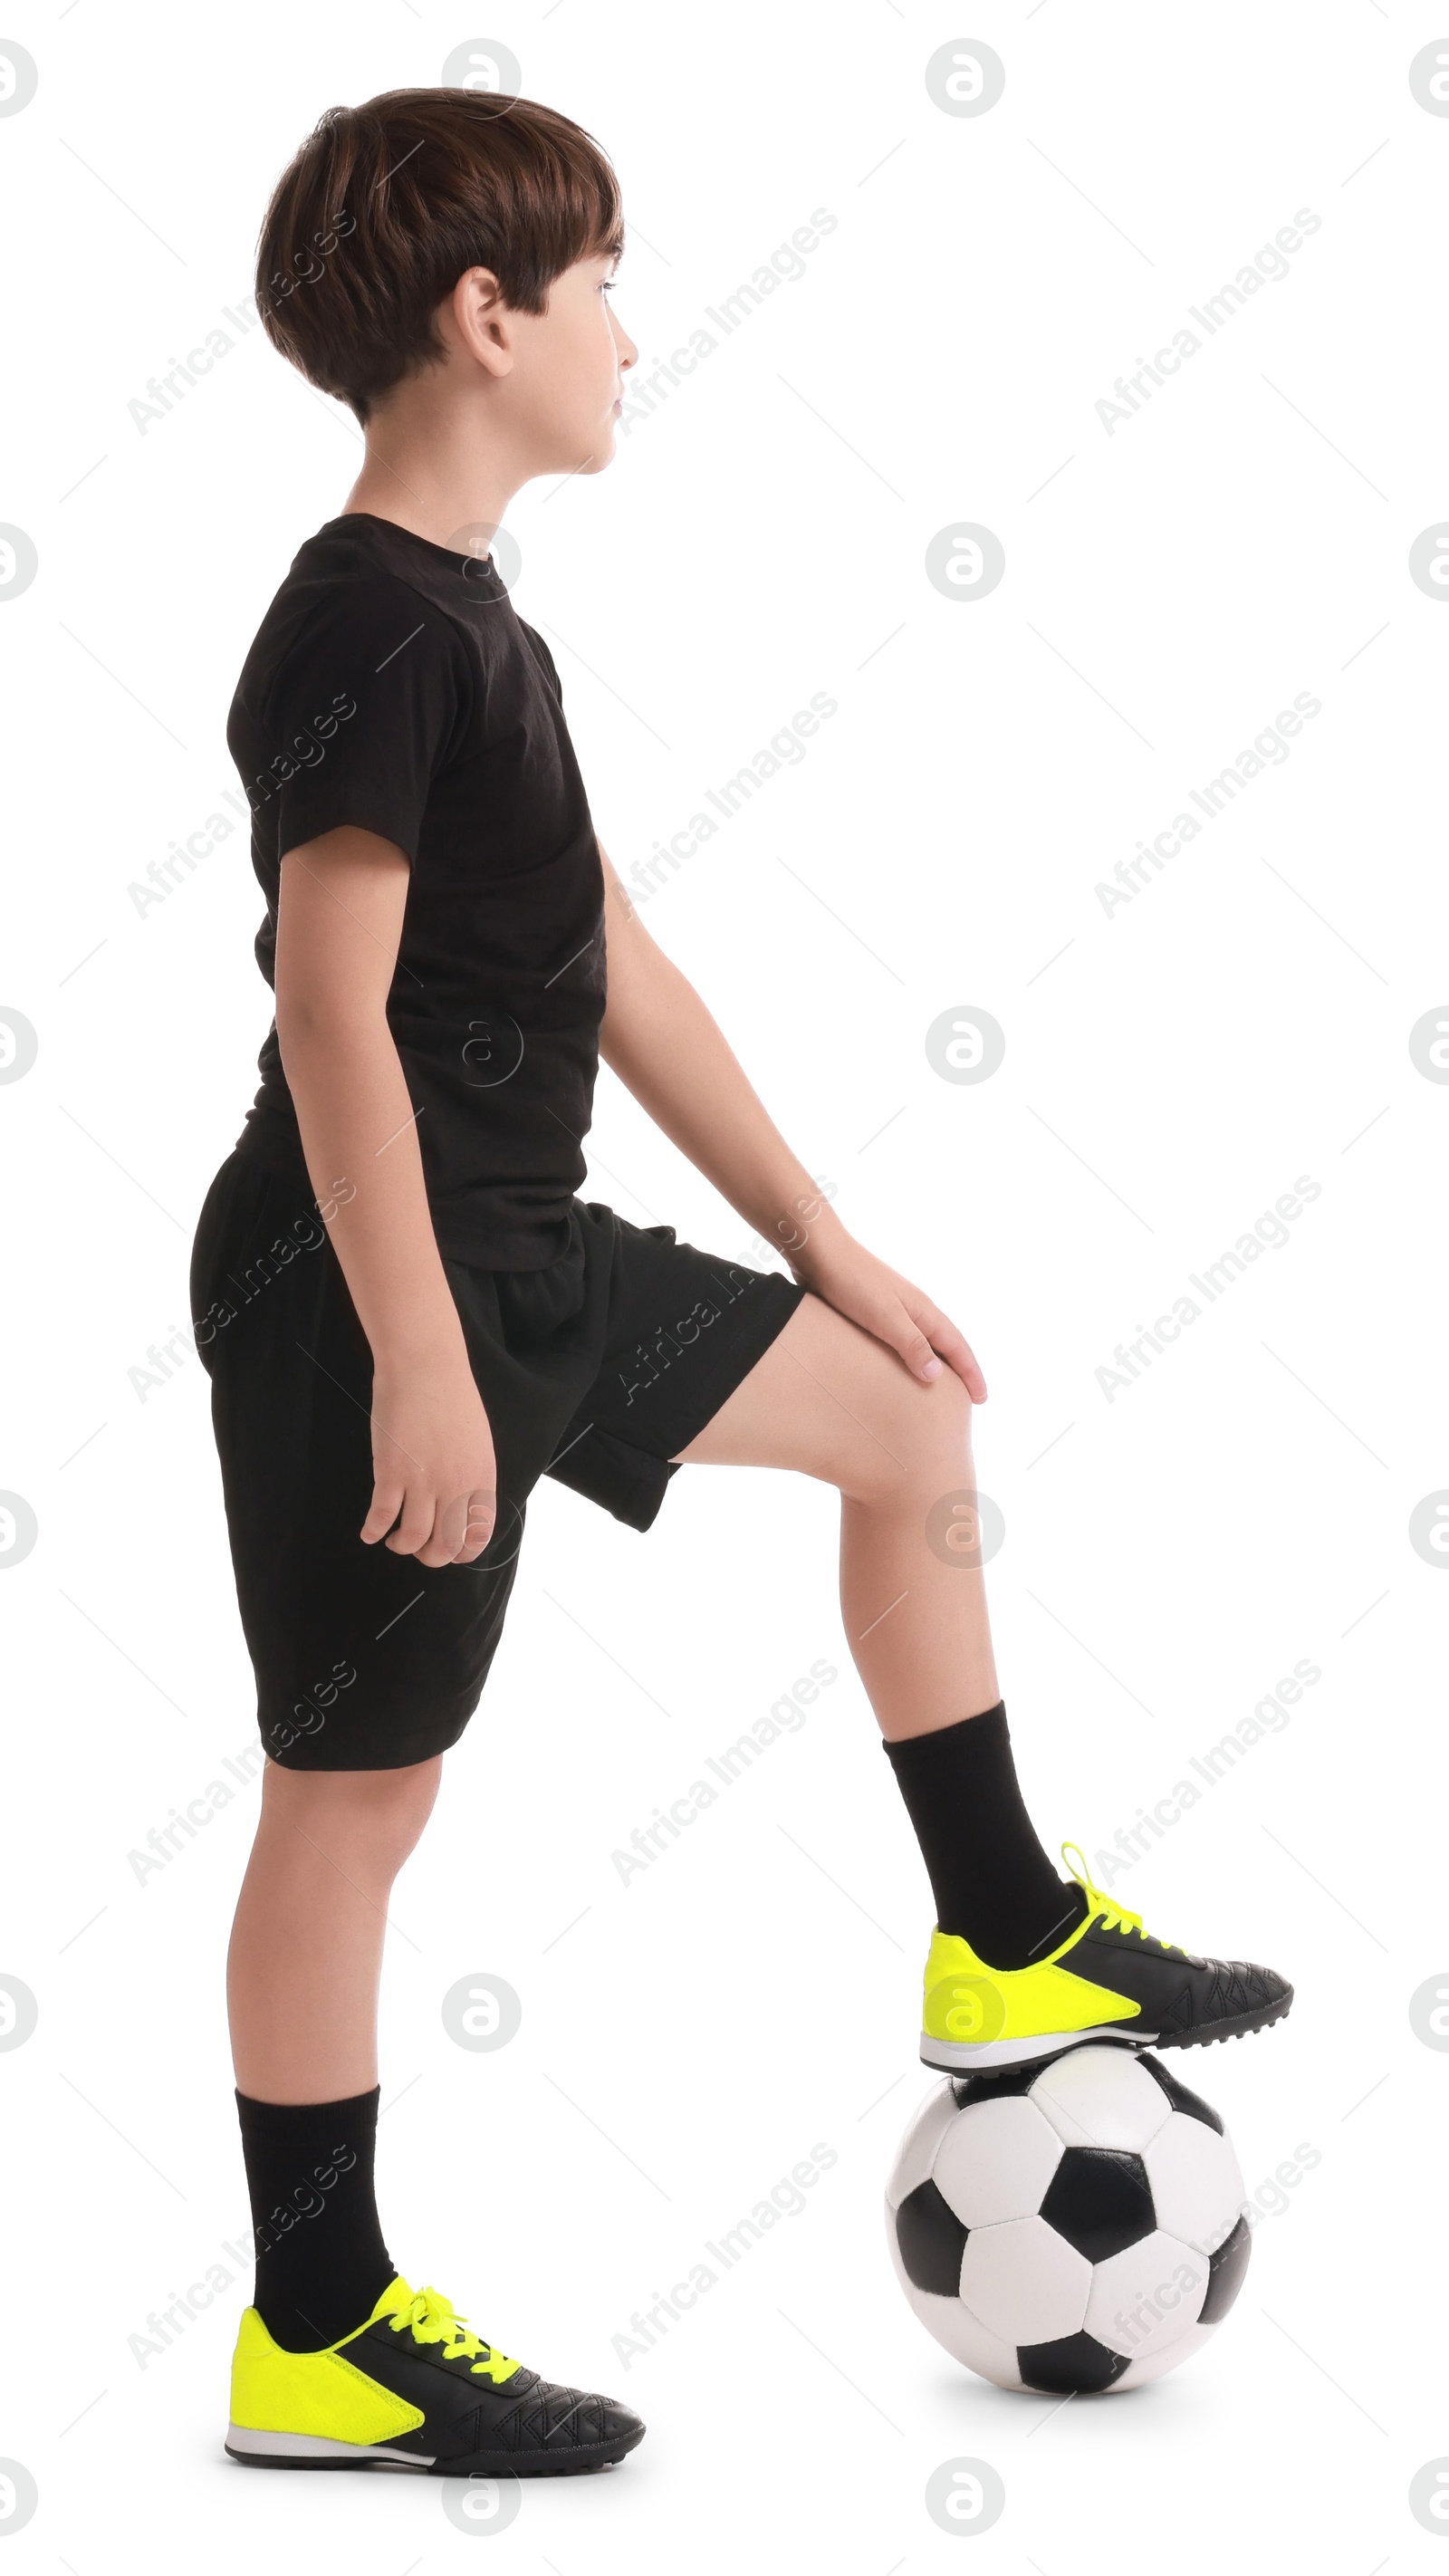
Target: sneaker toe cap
(552,2418)
(1242,1986)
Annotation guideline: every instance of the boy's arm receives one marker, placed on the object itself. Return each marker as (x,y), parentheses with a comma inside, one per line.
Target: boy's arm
(665,1047)
(339,920)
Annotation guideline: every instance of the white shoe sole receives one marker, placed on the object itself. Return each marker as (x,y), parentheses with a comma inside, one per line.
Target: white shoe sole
(966,2057)
(244,2444)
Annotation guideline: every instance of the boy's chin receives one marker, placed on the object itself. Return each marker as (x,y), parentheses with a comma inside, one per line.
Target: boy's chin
(590,457)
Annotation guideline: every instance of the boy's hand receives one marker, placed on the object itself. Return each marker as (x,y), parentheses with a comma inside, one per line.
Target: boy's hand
(856,1284)
(432,1460)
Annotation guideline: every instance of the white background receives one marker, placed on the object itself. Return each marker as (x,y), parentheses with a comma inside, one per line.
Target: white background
(1170,1070)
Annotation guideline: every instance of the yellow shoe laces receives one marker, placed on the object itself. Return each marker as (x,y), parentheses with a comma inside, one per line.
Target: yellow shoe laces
(433,2319)
(1116,1918)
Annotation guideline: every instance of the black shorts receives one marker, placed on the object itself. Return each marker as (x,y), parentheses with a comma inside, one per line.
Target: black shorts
(593,1371)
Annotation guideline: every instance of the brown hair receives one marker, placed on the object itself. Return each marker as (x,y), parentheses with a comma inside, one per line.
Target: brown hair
(386,205)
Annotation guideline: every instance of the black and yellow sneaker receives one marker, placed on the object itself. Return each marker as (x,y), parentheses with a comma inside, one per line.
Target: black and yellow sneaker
(414,2388)
(1107,1980)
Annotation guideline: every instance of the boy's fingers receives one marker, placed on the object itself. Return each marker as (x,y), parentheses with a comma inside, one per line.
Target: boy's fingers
(441,1544)
(963,1360)
(944,1338)
(482,1519)
(387,1501)
(918,1355)
(415,1528)
(460,1532)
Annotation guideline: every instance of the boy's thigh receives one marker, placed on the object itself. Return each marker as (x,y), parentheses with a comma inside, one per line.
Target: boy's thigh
(829,1400)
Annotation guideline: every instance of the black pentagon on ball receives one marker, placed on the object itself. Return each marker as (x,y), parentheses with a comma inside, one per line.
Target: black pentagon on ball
(1191,2104)
(1071,2366)
(932,2240)
(1225,2274)
(1100,2200)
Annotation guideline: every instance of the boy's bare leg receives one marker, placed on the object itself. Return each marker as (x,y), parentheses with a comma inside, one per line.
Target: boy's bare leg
(832,1402)
(306,1946)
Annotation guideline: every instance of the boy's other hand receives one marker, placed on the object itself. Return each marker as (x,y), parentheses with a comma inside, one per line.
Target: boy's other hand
(899,1314)
(432,1461)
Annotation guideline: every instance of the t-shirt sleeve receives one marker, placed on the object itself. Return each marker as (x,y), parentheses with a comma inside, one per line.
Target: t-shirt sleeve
(550,666)
(361,716)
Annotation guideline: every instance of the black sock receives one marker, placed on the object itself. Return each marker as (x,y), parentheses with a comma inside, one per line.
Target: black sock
(321,2263)
(992,1882)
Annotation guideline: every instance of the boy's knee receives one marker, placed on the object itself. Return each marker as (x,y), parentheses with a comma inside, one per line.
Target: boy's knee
(940,1427)
(924,1438)
(403,1802)
(377,1815)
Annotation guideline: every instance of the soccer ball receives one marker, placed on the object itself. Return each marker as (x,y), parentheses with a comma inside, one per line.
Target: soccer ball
(1070,2225)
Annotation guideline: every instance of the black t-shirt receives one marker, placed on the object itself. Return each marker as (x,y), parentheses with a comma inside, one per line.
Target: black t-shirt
(391,685)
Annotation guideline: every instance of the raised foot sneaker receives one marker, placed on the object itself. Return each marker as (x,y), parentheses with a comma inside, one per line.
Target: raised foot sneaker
(1107,1980)
(414,2388)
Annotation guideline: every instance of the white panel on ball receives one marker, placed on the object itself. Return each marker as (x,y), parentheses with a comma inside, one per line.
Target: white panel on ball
(1197,2188)
(1145,2299)
(997,2165)
(917,2151)
(1101,2097)
(1024,2281)
(1156,2365)
(967,2339)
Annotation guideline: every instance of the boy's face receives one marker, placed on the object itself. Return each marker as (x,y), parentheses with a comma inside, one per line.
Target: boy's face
(567,381)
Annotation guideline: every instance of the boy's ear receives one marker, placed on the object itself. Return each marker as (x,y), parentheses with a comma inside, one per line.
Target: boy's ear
(482,320)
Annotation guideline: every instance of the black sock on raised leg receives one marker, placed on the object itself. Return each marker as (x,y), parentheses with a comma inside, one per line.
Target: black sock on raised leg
(992,1882)
(321,2263)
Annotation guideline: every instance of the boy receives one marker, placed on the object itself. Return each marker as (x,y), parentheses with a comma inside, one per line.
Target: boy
(408,1315)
